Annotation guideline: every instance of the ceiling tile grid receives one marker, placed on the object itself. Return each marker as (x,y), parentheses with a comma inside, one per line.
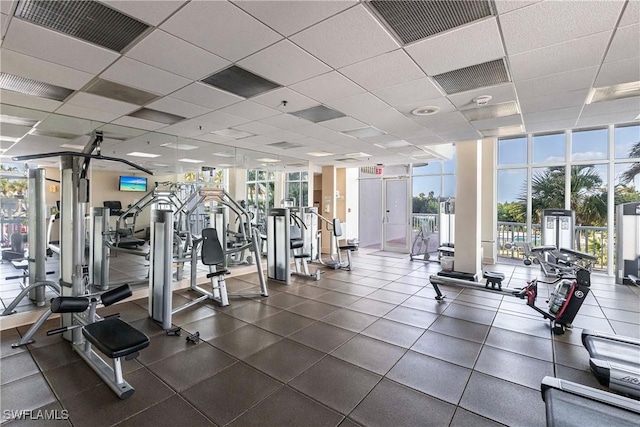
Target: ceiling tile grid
(388,69)
(137,74)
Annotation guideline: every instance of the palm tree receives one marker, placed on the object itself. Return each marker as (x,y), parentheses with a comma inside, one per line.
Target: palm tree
(630,174)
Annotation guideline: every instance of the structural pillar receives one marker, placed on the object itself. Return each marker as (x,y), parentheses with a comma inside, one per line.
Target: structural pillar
(489,205)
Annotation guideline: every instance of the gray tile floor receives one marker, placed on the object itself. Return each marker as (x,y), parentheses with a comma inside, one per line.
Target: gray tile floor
(369,347)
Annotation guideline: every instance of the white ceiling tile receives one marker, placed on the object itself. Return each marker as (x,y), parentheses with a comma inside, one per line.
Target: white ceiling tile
(358,104)
(328,87)
(4,24)
(339,40)
(58,48)
(391,120)
(607,119)
(122,130)
(257,128)
(205,95)
(378,139)
(26,113)
(221,28)
(432,139)
(422,132)
(37,69)
(13,131)
(497,122)
(625,44)
(250,110)
(556,83)
(499,94)
(313,130)
(274,99)
(150,11)
(284,63)
(505,6)
(442,121)
(285,121)
(223,120)
(212,137)
(87,113)
(631,14)
(138,123)
(83,99)
(169,53)
(557,100)
(28,101)
(289,17)
(343,123)
(631,104)
(552,115)
(178,107)
(461,47)
(285,135)
(580,53)
(7,6)
(137,74)
(70,125)
(385,70)
(551,22)
(468,134)
(189,128)
(409,92)
(442,103)
(613,73)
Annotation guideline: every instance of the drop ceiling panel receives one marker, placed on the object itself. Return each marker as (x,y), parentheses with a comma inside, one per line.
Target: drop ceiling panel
(149,11)
(4,23)
(44,71)
(284,63)
(172,54)
(7,7)
(25,113)
(573,55)
(497,122)
(625,44)
(391,120)
(285,121)
(250,110)
(385,70)
(460,135)
(613,73)
(610,107)
(556,83)
(58,48)
(358,104)
(557,100)
(505,6)
(409,92)
(339,40)
(138,123)
(551,115)
(206,96)
(607,119)
(501,93)
(213,24)
(442,121)
(13,131)
(285,135)
(27,101)
(313,130)
(274,99)
(257,128)
(83,99)
(343,123)
(552,22)
(137,74)
(289,17)
(71,125)
(189,128)
(631,14)
(442,103)
(87,113)
(328,87)
(178,107)
(459,48)
(222,119)
(122,131)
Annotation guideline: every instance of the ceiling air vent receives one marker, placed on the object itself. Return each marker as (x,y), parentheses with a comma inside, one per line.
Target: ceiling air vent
(415,20)
(284,145)
(53,134)
(476,76)
(240,82)
(120,92)
(318,114)
(492,111)
(33,87)
(157,116)
(87,20)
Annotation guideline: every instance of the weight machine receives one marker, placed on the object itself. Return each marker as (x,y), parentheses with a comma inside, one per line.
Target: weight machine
(628,243)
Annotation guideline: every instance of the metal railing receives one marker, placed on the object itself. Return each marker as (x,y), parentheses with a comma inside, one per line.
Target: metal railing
(429,220)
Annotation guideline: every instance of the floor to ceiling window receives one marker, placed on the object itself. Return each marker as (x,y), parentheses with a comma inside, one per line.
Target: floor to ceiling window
(296,187)
(589,171)
(260,195)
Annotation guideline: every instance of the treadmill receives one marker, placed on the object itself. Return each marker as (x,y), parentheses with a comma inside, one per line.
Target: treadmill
(614,360)
(571,404)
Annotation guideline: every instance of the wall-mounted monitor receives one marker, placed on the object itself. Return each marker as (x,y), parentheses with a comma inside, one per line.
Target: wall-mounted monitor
(133,183)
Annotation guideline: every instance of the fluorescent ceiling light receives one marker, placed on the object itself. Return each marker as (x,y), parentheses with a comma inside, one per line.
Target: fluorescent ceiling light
(503,131)
(12,120)
(73,146)
(609,93)
(233,133)
(320,154)
(221,154)
(179,146)
(190,161)
(393,144)
(267,160)
(360,154)
(160,165)
(139,154)
(225,165)
(363,132)
(9,139)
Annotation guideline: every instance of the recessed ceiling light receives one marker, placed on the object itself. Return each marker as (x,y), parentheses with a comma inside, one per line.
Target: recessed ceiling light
(503,109)
(140,154)
(609,93)
(360,154)
(363,132)
(190,161)
(233,133)
(20,121)
(503,131)
(221,154)
(267,160)
(8,139)
(73,146)
(393,144)
(425,111)
(318,114)
(160,165)
(225,165)
(285,145)
(179,146)
(320,154)
(119,92)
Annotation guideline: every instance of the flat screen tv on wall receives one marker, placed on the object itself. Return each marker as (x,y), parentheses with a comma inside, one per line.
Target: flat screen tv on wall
(133,183)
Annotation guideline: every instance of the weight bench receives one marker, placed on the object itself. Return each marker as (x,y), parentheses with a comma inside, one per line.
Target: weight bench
(494,279)
(337,232)
(113,337)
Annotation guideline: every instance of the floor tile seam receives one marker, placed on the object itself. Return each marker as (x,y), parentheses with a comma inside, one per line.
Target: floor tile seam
(474,413)
(163,401)
(515,352)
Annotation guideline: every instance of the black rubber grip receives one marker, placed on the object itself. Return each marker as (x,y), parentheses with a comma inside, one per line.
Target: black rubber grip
(115,295)
(69,304)
(57,331)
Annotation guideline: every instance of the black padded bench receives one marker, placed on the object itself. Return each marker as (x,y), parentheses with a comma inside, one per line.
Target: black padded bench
(494,279)
(115,338)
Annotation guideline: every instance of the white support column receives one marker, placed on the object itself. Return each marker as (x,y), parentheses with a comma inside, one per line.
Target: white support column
(468,207)
(611,187)
(489,201)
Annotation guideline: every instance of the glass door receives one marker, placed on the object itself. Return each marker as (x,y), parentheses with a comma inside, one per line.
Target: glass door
(395,225)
